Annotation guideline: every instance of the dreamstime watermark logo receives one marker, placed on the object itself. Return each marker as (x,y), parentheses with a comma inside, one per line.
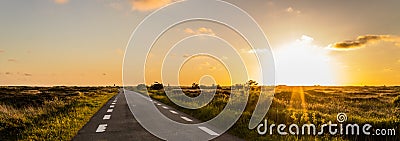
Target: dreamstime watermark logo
(341,117)
(155,25)
(334,129)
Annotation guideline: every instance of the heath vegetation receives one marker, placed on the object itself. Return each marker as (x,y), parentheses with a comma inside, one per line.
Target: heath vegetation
(378,106)
(48,113)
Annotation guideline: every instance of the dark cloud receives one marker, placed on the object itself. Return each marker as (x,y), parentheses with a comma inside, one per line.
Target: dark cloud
(18,74)
(362,41)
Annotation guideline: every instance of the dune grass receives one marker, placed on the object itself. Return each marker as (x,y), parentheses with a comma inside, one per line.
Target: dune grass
(48,113)
(302,105)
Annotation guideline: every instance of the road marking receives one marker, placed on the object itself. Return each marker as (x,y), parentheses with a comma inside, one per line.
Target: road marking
(107,117)
(164,107)
(150,100)
(187,119)
(158,104)
(111,106)
(101,128)
(205,129)
(173,112)
(109,110)
(113,103)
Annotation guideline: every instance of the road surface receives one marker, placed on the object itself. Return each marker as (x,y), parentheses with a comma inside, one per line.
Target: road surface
(115,121)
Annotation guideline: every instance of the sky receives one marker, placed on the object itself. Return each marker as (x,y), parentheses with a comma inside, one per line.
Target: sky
(82,42)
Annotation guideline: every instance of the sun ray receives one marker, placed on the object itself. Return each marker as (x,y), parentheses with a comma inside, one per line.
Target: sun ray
(297,100)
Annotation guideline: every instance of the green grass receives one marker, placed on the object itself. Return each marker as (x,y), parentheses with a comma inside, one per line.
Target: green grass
(318,105)
(48,113)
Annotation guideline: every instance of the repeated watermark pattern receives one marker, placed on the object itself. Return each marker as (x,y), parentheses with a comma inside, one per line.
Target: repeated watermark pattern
(156,24)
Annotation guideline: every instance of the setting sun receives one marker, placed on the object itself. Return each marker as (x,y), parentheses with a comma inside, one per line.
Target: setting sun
(303,63)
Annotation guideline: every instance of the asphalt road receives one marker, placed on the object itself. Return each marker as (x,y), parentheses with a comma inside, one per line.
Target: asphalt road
(115,121)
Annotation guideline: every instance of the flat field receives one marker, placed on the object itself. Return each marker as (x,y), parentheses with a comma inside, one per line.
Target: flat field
(378,106)
(50,113)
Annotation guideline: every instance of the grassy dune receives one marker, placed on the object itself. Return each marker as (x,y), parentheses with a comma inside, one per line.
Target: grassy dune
(378,106)
(48,113)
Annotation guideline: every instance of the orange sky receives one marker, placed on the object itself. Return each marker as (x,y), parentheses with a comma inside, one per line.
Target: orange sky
(65,42)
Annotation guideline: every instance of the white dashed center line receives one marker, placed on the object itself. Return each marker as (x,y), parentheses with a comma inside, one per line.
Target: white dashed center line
(107,117)
(111,106)
(113,103)
(205,129)
(109,110)
(158,104)
(164,107)
(101,128)
(173,112)
(187,119)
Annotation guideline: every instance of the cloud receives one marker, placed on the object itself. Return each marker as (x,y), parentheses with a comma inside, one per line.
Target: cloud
(189,31)
(305,39)
(204,30)
(148,5)
(201,30)
(18,74)
(388,70)
(12,60)
(292,10)
(257,51)
(364,40)
(205,63)
(61,1)
(2,51)
(212,68)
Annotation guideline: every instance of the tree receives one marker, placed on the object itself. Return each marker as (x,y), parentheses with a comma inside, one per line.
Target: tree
(195,86)
(157,86)
(252,83)
(219,86)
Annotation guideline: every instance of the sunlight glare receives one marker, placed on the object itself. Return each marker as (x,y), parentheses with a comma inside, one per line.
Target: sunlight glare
(303,63)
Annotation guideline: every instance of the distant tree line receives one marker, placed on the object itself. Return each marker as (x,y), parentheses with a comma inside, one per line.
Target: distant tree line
(158,86)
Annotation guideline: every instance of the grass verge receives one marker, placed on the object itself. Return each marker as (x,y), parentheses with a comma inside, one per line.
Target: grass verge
(49,113)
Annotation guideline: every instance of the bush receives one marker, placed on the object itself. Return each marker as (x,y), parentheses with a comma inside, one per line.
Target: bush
(157,86)
(396,100)
(141,87)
